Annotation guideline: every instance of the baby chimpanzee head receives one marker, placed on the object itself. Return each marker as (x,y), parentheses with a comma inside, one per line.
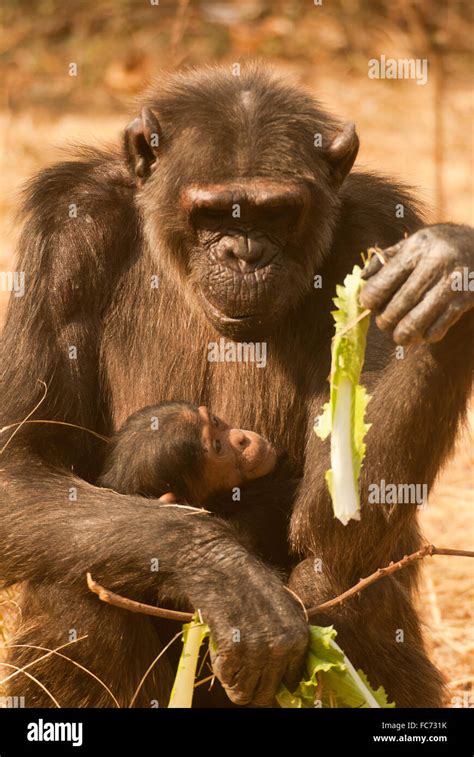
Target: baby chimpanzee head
(183,449)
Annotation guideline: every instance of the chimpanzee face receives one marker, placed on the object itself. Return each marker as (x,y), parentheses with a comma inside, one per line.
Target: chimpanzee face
(239,199)
(244,260)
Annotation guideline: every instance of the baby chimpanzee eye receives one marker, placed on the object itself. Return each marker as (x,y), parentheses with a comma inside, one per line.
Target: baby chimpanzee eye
(215,420)
(217,445)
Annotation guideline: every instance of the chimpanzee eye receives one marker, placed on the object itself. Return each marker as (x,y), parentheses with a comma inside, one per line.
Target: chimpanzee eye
(215,420)
(285,215)
(217,446)
(208,218)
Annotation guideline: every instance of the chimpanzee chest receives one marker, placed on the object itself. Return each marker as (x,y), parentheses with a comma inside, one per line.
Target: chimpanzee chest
(265,386)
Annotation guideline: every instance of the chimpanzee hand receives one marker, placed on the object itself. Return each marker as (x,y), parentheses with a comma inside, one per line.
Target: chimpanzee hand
(415,294)
(259,638)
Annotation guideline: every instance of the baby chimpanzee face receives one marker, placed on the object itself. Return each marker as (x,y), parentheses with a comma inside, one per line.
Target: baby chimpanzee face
(232,455)
(177,451)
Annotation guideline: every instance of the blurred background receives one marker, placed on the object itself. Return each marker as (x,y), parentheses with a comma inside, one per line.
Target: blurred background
(421,134)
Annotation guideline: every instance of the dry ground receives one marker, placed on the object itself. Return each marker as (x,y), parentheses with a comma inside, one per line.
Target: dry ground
(395,124)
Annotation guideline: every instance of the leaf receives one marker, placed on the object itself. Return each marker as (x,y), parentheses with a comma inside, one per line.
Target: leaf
(332,679)
(343,417)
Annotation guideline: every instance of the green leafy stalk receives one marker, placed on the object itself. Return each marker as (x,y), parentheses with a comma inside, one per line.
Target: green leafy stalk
(343,416)
(332,679)
(194,634)
(359,680)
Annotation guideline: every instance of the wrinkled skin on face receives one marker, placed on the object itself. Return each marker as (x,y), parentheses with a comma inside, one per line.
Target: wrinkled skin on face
(246,238)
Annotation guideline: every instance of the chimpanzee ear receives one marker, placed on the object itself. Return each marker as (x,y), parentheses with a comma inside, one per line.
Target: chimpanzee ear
(168,498)
(141,143)
(342,152)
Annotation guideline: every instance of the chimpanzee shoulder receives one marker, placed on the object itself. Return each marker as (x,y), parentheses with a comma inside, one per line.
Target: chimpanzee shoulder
(376,210)
(81,225)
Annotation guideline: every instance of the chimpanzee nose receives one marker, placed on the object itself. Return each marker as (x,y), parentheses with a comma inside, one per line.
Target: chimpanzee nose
(241,251)
(238,439)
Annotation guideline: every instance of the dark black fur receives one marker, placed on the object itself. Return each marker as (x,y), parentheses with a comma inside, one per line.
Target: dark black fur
(150,461)
(88,285)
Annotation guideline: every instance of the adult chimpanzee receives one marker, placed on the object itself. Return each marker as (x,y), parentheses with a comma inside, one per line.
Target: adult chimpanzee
(233,192)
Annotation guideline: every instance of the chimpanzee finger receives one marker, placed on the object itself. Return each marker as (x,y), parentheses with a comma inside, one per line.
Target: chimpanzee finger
(375,263)
(441,326)
(379,289)
(268,684)
(407,297)
(413,326)
(239,683)
(242,691)
(294,671)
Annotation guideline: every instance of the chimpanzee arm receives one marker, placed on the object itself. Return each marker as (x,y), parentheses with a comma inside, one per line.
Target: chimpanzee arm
(415,410)
(418,398)
(417,404)
(147,552)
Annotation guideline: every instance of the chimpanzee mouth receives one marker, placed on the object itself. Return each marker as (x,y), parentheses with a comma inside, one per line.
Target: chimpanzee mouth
(225,317)
(234,325)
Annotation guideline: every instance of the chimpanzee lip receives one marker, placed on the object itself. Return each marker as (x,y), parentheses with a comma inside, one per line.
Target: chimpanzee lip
(217,313)
(236,327)
(265,447)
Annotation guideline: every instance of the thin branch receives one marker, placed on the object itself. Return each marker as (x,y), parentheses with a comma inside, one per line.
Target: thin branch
(351,325)
(299,600)
(393,567)
(204,680)
(160,612)
(49,652)
(179,27)
(64,657)
(129,604)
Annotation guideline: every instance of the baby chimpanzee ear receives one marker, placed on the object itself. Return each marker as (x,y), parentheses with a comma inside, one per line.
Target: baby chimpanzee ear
(141,143)
(168,498)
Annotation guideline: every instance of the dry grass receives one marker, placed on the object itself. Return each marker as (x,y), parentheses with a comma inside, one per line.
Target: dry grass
(447,594)
(396,128)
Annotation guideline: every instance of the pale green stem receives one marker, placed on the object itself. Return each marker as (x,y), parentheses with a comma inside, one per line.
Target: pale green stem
(346,501)
(366,693)
(183,688)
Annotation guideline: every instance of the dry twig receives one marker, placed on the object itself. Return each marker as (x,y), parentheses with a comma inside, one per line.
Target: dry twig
(129,604)
(160,612)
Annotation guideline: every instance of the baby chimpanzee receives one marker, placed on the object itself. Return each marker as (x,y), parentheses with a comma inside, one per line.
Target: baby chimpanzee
(178,452)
